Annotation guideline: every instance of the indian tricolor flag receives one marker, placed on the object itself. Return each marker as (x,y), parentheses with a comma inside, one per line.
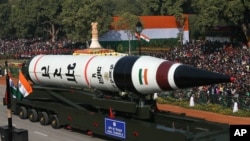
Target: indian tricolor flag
(24,86)
(143,76)
(154,28)
(13,89)
(144,37)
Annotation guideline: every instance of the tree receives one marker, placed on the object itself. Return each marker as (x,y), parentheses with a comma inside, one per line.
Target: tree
(180,19)
(215,12)
(4,16)
(162,7)
(131,6)
(22,18)
(33,17)
(238,13)
(152,7)
(49,17)
(79,14)
(127,22)
(174,8)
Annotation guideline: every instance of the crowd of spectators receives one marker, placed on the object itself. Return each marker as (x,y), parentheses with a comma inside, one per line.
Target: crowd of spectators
(224,58)
(26,48)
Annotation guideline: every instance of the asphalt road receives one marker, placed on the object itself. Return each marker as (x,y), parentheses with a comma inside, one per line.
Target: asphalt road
(37,132)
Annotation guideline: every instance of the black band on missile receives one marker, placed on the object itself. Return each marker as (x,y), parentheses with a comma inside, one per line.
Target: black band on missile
(122,73)
(187,76)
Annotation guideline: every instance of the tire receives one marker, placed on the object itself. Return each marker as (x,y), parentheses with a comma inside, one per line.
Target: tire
(43,118)
(33,115)
(23,113)
(55,123)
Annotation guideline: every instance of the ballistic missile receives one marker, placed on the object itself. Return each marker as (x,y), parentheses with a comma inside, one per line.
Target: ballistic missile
(138,74)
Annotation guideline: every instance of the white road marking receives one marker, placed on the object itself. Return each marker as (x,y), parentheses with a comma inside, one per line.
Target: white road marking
(39,133)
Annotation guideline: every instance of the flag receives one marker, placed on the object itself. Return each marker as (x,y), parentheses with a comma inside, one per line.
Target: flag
(13,89)
(145,38)
(143,76)
(24,86)
(142,36)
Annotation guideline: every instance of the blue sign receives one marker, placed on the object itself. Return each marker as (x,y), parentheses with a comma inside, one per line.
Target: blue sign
(115,128)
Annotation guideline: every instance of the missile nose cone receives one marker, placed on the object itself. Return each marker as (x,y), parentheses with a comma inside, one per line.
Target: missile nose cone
(187,76)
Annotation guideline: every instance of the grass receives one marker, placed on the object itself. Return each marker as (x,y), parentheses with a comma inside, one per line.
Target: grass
(204,107)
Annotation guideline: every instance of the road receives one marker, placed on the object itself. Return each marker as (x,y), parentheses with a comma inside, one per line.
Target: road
(37,132)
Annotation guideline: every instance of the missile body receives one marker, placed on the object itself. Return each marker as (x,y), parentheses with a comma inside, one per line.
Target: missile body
(138,74)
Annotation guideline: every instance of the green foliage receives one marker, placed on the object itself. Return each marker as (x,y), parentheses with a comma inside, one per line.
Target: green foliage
(130,6)
(72,18)
(4,16)
(122,46)
(194,31)
(79,14)
(173,7)
(127,22)
(162,7)
(171,42)
(216,12)
(203,107)
(19,19)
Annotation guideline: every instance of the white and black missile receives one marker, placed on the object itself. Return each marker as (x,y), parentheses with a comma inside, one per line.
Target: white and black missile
(139,74)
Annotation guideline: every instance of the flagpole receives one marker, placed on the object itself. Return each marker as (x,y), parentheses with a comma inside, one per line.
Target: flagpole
(8,100)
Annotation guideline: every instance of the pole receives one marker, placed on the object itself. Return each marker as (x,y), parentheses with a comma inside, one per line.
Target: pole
(139,44)
(8,99)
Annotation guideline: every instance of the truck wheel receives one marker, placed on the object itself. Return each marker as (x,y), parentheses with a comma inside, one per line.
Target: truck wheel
(43,118)
(55,122)
(33,116)
(23,114)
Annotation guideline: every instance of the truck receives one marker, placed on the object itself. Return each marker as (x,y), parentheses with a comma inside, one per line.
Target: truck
(113,96)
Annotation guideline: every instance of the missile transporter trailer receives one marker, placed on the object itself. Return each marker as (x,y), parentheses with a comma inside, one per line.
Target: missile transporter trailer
(113,117)
(113,96)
